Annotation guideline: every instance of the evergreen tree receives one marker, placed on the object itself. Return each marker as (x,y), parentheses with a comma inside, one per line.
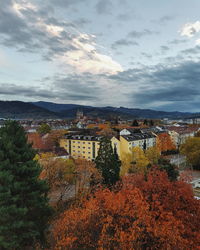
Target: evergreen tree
(135,123)
(24,209)
(108,163)
(145,122)
(171,169)
(151,123)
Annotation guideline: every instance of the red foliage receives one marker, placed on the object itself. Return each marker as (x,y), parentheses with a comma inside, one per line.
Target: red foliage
(165,143)
(37,141)
(152,214)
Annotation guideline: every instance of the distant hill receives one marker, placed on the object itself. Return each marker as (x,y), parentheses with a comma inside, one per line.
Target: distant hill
(55,107)
(22,110)
(45,110)
(69,111)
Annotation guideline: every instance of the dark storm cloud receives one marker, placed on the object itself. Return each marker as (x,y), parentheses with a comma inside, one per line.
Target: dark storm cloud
(104,7)
(161,84)
(64,91)
(123,42)
(140,34)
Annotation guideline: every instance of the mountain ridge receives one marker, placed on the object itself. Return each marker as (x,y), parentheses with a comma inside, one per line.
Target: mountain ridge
(47,110)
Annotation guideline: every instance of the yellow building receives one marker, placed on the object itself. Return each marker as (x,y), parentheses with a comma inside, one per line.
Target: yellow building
(125,143)
(81,146)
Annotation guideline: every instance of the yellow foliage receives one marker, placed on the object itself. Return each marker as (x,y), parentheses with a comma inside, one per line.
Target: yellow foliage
(126,164)
(153,155)
(140,161)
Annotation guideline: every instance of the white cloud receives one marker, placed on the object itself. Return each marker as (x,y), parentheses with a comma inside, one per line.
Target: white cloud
(86,58)
(190,29)
(79,50)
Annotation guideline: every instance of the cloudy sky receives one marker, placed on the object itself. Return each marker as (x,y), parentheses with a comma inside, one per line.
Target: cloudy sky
(132,53)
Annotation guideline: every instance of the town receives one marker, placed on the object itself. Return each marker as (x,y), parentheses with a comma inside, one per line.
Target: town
(79,138)
(99,125)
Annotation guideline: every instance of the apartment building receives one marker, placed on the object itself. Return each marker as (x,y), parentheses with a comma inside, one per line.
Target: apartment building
(81,146)
(180,134)
(125,143)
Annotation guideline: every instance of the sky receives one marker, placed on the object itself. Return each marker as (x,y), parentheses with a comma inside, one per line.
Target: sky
(130,53)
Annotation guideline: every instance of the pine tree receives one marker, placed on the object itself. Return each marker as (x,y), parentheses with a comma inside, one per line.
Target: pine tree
(145,122)
(24,209)
(135,123)
(108,163)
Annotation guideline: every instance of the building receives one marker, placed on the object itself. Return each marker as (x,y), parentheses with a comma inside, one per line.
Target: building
(81,146)
(180,134)
(127,142)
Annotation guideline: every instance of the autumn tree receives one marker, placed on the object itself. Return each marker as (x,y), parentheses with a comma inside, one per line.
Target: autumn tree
(87,177)
(147,213)
(191,149)
(108,163)
(165,143)
(108,132)
(139,161)
(59,174)
(53,138)
(152,155)
(24,209)
(126,164)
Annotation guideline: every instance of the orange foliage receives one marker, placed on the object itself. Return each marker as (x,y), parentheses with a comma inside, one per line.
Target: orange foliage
(36,140)
(86,175)
(52,140)
(152,214)
(100,126)
(165,143)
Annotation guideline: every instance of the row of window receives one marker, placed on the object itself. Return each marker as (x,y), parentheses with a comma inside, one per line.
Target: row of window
(83,142)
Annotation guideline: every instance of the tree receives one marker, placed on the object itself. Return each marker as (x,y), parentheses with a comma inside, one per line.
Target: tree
(191,149)
(44,128)
(145,122)
(87,177)
(164,143)
(151,123)
(53,138)
(139,161)
(108,163)
(59,174)
(126,164)
(170,169)
(146,213)
(153,155)
(24,209)
(135,123)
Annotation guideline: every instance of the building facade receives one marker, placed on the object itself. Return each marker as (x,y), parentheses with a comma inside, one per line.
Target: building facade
(81,146)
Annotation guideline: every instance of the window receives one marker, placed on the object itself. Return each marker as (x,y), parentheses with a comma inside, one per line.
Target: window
(83,152)
(88,147)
